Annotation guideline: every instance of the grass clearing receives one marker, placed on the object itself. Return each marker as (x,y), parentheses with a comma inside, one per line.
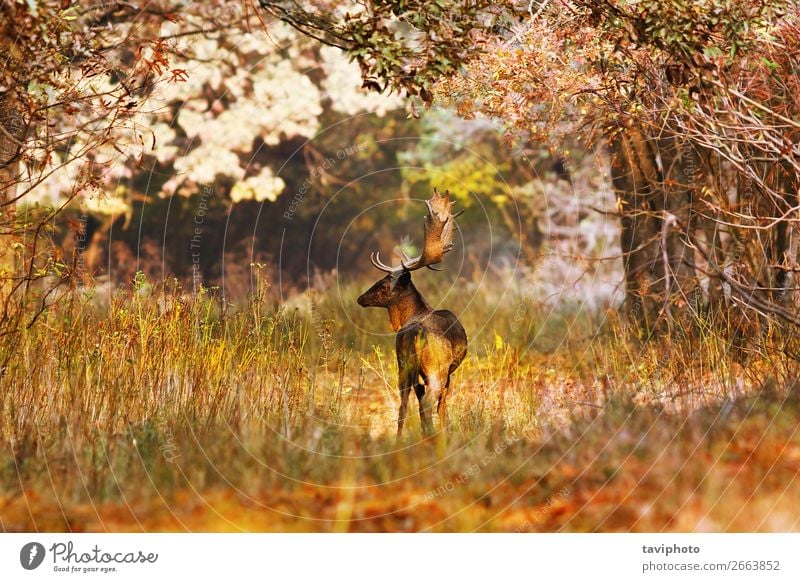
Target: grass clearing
(161,412)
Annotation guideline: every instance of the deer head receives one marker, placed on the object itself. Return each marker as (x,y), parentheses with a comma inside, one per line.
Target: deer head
(388,291)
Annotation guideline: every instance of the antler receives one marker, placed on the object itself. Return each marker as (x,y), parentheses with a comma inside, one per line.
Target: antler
(439,227)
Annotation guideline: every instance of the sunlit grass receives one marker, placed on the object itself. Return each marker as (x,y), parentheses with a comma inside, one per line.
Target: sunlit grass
(169,412)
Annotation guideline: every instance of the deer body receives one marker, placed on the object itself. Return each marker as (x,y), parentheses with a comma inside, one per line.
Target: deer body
(430,344)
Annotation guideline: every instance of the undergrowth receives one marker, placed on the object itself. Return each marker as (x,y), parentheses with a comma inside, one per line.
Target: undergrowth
(157,410)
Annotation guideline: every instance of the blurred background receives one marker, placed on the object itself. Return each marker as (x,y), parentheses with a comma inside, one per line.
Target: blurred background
(258,149)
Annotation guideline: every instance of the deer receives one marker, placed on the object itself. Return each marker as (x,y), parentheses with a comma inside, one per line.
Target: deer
(430,344)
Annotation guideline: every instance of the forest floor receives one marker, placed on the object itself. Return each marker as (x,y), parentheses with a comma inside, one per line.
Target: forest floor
(180,419)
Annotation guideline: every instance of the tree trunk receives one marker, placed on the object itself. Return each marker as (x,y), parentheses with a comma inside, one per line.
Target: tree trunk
(639,232)
(12,132)
(678,169)
(653,181)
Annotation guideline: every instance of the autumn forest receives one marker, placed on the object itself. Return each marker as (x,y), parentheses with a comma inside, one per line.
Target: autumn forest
(229,232)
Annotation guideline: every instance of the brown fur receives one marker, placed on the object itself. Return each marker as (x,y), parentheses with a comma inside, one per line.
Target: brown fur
(430,345)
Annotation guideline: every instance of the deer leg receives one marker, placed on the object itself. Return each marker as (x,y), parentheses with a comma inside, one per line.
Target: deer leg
(405,391)
(441,408)
(433,391)
(419,390)
(405,383)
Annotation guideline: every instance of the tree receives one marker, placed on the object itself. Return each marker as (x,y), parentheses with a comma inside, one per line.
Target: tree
(697,103)
(405,46)
(174,101)
(73,80)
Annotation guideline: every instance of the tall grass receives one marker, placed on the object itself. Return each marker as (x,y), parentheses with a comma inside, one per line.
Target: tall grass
(158,410)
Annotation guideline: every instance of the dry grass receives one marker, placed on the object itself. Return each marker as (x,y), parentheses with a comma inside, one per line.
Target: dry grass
(162,412)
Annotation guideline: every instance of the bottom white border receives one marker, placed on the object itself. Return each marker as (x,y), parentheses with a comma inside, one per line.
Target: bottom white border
(390,557)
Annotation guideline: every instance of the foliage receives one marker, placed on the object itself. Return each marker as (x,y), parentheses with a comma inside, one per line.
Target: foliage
(222,97)
(695,100)
(76,79)
(404,45)
(233,92)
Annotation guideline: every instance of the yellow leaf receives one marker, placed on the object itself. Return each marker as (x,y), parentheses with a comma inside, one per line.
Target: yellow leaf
(498,341)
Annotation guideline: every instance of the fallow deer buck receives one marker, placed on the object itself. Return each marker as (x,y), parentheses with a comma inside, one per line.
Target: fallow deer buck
(430,344)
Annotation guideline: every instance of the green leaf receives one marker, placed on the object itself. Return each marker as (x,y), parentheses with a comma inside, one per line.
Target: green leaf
(771,65)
